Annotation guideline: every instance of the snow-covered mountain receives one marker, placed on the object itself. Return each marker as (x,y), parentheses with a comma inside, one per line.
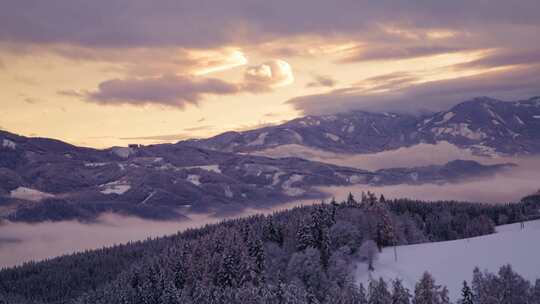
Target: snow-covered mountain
(484,125)
(48,179)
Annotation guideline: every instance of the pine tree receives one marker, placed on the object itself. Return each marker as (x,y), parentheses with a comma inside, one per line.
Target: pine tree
(325,248)
(362,297)
(256,252)
(444,297)
(466,294)
(535,292)
(400,294)
(350,200)
(426,292)
(378,292)
(272,232)
(305,236)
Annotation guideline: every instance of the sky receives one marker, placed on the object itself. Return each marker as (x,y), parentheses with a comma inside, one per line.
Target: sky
(112,72)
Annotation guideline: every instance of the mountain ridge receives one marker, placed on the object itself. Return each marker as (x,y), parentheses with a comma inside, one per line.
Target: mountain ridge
(43,179)
(485,125)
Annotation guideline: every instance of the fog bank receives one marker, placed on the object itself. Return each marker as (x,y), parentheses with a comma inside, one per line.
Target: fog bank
(414,156)
(507,186)
(23,242)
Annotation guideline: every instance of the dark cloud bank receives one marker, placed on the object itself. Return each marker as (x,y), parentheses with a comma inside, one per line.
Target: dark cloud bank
(208,23)
(517,83)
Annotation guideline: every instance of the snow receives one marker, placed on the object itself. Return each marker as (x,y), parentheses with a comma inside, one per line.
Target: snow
(194,179)
(375,128)
(536,116)
(259,141)
(427,120)
(350,129)
(123,152)
(519,120)
(494,115)
(484,150)
(446,117)
(459,129)
(116,187)
(297,137)
(495,122)
(329,117)
(6,143)
(452,262)
(357,179)
(148,197)
(94,165)
(333,137)
(288,187)
(209,168)
(29,194)
(275,178)
(228,192)
(414,176)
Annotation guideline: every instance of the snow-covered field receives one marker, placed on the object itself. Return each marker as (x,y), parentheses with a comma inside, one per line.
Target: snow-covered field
(453,261)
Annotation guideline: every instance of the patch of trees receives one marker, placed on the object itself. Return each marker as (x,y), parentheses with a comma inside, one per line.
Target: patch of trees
(303,255)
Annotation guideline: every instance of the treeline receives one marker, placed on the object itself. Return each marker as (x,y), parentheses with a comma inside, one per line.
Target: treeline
(303,255)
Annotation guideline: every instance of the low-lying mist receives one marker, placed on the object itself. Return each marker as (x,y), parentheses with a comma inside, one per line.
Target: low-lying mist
(22,242)
(414,156)
(507,186)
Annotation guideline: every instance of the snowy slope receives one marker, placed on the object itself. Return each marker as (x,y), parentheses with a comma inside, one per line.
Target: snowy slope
(453,261)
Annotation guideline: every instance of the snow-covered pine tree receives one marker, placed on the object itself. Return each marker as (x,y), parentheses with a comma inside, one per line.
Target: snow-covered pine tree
(305,236)
(535,292)
(400,294)
(427,292)
(466,294)
(362,297)
(378,292)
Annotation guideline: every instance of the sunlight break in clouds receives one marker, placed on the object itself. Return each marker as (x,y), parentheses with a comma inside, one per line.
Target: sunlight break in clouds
(235,59)
(274,73)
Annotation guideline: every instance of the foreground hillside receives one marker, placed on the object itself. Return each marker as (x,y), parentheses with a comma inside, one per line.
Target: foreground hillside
(451,262)
(303,255)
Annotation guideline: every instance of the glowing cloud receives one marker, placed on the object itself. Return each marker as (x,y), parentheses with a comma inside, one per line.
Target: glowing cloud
(274,73)
(232,59)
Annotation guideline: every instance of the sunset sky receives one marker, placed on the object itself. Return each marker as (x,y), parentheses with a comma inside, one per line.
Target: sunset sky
(112,72)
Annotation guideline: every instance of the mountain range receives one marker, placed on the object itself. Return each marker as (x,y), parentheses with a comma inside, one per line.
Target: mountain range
(485,125)
(46,179)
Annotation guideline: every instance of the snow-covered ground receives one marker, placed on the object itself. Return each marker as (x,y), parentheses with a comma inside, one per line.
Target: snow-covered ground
(453,261)
(29,194)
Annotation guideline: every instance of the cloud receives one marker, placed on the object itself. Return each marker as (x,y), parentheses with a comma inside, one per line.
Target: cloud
(31,100)
(169,90)
(200,128)
(273,73)
(505,187)
(502,57)
(322,81)
(181,90)
(128,23)
(159,138)
(386,82)
(511,83)
(397,52)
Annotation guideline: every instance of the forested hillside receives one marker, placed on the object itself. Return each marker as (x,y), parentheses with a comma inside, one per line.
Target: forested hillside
(303,255)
